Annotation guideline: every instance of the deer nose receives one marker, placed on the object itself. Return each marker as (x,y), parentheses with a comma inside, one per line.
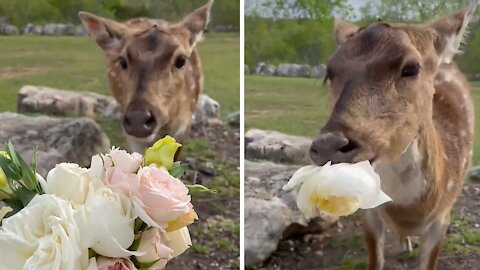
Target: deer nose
(334,147)
(139,123)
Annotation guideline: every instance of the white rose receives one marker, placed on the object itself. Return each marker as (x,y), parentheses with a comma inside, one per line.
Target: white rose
(153,248)
(68,181)
(179,241)
(339,189)
(43,236)
(108,221)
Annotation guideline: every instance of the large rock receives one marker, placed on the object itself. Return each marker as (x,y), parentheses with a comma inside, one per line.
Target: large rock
(49,29)
(208,111)
(246,70)
(80,31)
(271,214)
(38,99)
(57,140)
(319,71)
(265,69)
(32,30)
(59,29)
(9,30)
(233,119)
(277,147)
(50,101)
(293,70)
(258,68)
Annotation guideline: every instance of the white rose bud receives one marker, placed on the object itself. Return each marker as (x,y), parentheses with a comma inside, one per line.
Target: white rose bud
(153,247)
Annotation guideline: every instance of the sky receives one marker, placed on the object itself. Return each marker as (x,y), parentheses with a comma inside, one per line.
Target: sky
(252,5)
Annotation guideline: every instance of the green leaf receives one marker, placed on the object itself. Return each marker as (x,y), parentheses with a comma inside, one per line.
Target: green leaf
(25,195)
(200,188)
(92,253)
(135,244)
(178,169)
(15,204)
(143,266)
(28,175)
(10,172)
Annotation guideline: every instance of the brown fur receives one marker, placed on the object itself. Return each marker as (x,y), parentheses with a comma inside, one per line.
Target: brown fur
(151,83)
(381,113)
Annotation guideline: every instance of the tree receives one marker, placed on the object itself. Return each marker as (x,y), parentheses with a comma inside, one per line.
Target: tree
(294,31)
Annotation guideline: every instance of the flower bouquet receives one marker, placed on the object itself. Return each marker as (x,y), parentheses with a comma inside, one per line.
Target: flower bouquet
(125,212)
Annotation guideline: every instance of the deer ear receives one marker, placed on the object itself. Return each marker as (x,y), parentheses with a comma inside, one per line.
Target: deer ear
(197,21)
(450,32)
(107,33)
(344,31)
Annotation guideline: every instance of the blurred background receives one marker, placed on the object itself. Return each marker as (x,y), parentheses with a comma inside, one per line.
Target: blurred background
(42,44)
(287,43)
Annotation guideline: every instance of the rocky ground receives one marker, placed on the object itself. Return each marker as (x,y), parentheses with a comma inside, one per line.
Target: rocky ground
(341,246)
(213,155)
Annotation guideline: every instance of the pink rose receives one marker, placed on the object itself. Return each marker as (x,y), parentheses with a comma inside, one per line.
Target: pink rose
(160,198)
(104,263)
(117,169)
(121,159)
(119,181)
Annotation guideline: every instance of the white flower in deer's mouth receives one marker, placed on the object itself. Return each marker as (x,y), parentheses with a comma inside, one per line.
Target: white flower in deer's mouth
(339,189)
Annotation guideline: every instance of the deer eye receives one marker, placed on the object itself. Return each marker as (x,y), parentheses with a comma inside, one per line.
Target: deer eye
(411,69)
(180,61)
(122,62)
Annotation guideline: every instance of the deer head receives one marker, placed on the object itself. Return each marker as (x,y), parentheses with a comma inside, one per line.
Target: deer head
(382,86)
(153,71)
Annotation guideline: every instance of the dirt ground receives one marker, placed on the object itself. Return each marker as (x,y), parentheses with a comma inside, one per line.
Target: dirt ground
(342,247)
(213,155)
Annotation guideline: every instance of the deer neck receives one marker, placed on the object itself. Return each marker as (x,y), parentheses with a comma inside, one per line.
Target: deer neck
(409,177)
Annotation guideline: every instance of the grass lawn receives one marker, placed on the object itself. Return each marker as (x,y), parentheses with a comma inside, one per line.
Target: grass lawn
(299,106)
(76,63)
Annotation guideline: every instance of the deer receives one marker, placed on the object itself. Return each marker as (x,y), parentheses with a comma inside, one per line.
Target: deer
(154,72)
(398,100)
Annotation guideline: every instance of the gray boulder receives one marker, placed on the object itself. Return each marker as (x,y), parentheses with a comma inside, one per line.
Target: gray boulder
(9,30)
(208,111)
(277,147)
(319,71)
(258,68)
(32,30)
(233,119)
(246,70)
(293,70)
(45,100)
(65,29)
(57,140)
(271,214)
(269,70)
(58,29)
(80,31)
(49,29)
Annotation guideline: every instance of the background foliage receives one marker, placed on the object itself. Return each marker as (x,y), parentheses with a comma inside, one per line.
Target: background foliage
(21,12)
(301,30)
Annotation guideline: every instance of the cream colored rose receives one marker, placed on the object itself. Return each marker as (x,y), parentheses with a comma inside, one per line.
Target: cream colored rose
(339,189)
(44,235)
(68,181)
(108,221)
(179,241)
(153,248)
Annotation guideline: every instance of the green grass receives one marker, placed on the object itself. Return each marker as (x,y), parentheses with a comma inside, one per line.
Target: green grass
(77,63)
(299,106)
